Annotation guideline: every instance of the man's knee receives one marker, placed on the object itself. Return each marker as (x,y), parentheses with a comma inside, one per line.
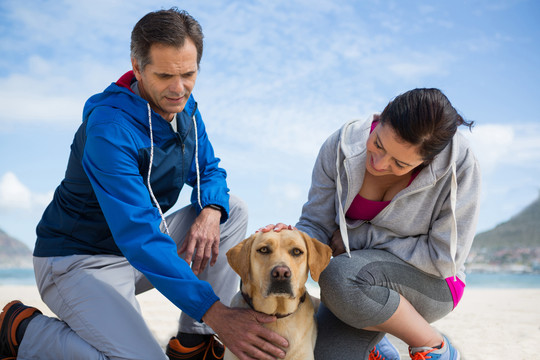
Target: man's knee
(238,210)
(233,231)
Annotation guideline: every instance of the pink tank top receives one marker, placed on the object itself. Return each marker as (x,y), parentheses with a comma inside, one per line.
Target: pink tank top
(364,209)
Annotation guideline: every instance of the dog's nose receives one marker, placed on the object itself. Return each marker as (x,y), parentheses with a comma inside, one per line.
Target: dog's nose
(281,272)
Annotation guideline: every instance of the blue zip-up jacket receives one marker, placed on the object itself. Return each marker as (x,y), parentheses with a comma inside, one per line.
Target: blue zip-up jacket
(103,205)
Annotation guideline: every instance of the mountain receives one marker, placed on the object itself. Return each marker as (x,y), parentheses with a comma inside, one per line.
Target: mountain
(522,230)
(512,246)
(13,253)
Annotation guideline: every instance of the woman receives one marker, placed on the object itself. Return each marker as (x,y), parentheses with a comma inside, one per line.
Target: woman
(396,197)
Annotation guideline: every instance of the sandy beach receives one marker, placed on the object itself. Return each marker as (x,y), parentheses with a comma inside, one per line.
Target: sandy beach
(487,324)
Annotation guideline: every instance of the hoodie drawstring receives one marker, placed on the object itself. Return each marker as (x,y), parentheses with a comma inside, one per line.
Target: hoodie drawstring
(342,220)
(197,161)
(156,203)
(150,171)
(453,230)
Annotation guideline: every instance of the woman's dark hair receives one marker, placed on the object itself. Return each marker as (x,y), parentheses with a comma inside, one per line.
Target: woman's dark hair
(424,118)
(167,27)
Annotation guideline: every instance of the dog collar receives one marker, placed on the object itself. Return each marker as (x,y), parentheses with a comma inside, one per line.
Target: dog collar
(249,301)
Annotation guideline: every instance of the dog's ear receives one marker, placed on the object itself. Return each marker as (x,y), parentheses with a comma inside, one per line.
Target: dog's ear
(319,255)
(238,258)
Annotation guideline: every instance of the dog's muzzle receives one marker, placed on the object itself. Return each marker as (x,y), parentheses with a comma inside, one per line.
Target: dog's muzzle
(280,281)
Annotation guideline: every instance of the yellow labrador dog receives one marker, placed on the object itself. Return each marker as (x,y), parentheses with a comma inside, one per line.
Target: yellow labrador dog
(274,268)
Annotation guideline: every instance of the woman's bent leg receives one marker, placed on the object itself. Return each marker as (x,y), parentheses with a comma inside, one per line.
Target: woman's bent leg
(366,290)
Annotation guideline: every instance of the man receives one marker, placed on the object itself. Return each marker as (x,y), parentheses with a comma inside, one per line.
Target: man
(104,238)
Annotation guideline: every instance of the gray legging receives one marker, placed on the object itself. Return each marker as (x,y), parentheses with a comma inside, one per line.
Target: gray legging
(364,291)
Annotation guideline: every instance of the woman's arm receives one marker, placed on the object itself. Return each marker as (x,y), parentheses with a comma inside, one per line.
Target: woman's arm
(319,212)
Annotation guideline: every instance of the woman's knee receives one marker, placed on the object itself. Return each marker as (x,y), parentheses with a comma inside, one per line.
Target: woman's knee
(337,284)
(353,294)
(333,276)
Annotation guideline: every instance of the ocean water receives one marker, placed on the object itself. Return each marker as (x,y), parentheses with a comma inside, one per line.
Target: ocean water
(490,281)
(502,280)
(475,280)
(17,277)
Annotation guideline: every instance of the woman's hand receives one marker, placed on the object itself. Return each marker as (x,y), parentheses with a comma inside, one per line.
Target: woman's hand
(336,244)
(277,228)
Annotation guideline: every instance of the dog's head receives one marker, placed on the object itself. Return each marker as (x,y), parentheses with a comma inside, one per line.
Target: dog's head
(276,264)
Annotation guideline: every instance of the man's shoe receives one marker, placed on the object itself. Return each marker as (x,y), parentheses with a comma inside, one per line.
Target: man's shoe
(212,349)
(384,350)
(445,352)
(10,319)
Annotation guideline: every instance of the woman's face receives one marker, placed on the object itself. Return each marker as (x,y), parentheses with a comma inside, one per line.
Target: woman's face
(387,154)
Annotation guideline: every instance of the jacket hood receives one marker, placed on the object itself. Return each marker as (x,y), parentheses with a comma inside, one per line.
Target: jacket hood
(118,97)
(353,136)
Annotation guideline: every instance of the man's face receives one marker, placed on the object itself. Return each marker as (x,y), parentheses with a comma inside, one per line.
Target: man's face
(167,81)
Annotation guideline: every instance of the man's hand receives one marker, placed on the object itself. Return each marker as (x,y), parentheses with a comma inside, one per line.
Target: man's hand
(242,332)
(203,240)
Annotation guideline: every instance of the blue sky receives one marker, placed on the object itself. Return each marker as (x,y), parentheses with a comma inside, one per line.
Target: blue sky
(276,78)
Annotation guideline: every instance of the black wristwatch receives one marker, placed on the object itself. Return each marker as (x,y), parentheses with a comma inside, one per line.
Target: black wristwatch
(215,207)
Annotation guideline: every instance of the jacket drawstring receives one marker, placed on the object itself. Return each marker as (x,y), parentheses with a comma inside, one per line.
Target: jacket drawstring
(156,203)
(342,220)
(150,171)
(453,230)
(197,161)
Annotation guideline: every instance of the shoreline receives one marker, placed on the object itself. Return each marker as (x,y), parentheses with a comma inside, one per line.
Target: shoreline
(488,323)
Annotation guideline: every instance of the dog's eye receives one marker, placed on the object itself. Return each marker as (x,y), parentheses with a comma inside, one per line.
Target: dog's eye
(296,252)
(264,250)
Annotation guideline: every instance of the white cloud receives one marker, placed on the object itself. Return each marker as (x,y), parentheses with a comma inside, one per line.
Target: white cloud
(48,92)
(287,192)
(286,60)
(14,195)
(500,146)
(491,144)
(509,157)
(57,54)
(414,69)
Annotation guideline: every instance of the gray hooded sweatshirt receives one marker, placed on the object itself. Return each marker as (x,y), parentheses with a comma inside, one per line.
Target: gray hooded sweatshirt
(430,224)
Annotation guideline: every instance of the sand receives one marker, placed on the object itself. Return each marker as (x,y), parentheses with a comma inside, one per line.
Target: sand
(487,324)
(493,324)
